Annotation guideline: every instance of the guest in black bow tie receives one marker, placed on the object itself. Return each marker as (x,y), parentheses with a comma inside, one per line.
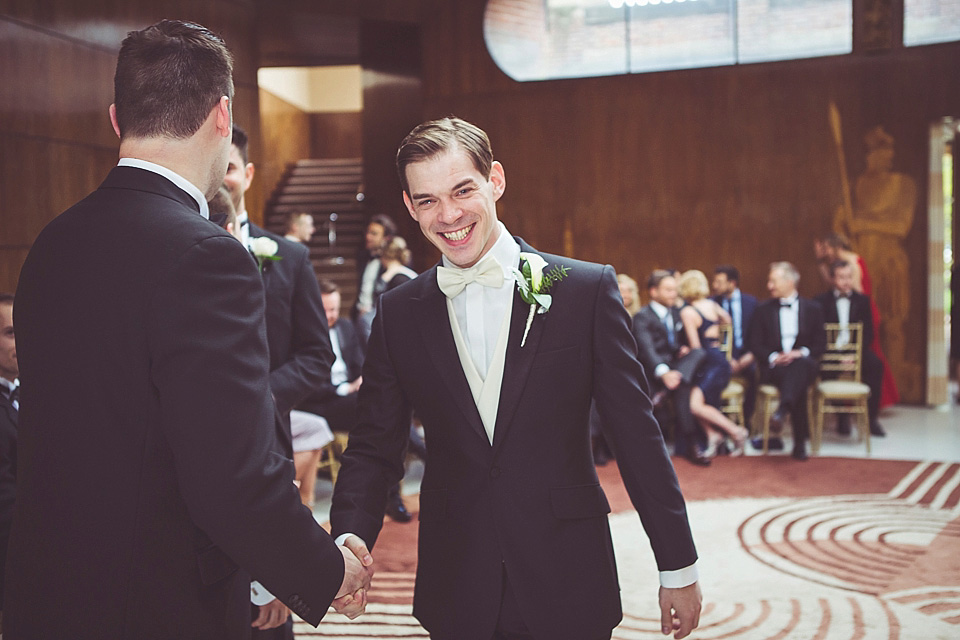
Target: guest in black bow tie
(787,338)
(843,305)
(501,367)
(9,412)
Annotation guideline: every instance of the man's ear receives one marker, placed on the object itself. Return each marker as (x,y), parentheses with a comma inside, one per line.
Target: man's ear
(248,172)
(224,121)
(113,119)
(498,179)
(409,204)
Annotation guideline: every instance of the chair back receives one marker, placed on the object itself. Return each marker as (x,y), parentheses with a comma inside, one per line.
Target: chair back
(843,356)
(726,340)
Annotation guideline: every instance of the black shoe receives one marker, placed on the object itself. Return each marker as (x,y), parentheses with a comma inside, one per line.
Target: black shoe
(877,430)
(843,425)
(774,443)
(777,420)
(397,511)
(696,457)
(799,452)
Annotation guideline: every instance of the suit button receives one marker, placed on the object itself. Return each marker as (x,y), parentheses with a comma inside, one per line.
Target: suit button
(495,472)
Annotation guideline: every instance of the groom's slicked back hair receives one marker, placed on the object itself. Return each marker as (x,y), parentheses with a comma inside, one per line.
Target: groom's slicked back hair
(169,76)
(438,136)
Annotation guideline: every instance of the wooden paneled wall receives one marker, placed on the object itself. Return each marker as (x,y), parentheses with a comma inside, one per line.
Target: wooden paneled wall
(694,168)
(56,143)
(286,138)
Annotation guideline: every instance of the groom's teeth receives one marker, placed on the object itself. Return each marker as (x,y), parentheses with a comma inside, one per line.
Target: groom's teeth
(456,236)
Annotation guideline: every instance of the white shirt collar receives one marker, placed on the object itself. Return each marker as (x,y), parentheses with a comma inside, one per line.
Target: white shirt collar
(173,177)
(505,251)
(10,385)
(791,300)
(659,309)
(735,296)
(243,221)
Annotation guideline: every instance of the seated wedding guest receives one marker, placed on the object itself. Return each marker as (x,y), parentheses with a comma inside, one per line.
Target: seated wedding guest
(740,306)
(702,318)
(843,305)
(336,399)
(380,230)
(630,293)
(394,271)
(9,414)
(787,338)
(833,247)
(658,331)
(311,434)
(300,227)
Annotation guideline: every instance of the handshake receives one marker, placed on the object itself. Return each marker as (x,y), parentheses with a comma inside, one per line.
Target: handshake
(351,600)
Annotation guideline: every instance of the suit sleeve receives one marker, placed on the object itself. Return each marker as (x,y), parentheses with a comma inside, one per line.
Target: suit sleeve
(373,461)
(818,334)
(311,355)
(868,328)
(646,352)
(209,366)
(626,417)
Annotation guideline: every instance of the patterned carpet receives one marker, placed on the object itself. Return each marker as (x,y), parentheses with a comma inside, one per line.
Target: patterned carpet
(829,549)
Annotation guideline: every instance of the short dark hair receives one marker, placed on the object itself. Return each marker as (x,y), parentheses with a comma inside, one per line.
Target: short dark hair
(6,298)
(437,136)
(242,142)
(837,264)
(169,76)
(328,286)
(837,241)
(732,273)
(292,218)
(385,221)
(222,211)
(657,277)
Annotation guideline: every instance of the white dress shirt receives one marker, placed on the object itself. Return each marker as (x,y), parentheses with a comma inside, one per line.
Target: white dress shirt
(480,310)
(367,282)
(173,177)
(338,370)
(789,326)
(843,317)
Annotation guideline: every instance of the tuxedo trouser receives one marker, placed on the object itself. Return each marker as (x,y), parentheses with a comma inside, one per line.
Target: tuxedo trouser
(793,380)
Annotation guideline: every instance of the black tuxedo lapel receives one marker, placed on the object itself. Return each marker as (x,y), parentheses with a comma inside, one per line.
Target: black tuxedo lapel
(518,360)
(438,337)
(775,327)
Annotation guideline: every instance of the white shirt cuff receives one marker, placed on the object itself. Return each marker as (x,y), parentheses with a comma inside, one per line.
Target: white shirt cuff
(773,356)
(343,389)
(805,352)
(260,596)
(343,538)
(661,369)
(680,578)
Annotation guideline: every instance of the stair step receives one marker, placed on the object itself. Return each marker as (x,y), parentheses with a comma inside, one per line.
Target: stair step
(329,162)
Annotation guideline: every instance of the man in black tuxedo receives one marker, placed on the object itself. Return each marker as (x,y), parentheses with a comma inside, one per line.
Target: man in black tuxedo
(300,353)
(661,343)
(787,338)
(740,306)
(843,305)
(9,412)
(514,540)
(149,489)
(380,231)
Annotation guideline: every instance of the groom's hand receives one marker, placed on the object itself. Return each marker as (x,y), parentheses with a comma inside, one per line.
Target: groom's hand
(351,600)
(680,610)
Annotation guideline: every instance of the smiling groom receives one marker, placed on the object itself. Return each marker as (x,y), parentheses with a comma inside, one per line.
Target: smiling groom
(514,541)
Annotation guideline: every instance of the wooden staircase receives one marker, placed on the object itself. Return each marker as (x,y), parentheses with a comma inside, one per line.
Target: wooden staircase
(332,191)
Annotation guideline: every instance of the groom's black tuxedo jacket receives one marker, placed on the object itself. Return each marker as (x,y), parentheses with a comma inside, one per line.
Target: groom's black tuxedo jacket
(530,504)
(8,475)
(146,464)
(299,345)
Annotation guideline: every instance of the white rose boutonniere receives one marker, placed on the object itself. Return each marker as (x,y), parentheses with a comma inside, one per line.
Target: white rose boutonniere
(264,249)
(533,284)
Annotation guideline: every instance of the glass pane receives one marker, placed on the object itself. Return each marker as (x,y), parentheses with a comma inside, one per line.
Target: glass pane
(785,29)
(929,21)
(681,34)
(541,39)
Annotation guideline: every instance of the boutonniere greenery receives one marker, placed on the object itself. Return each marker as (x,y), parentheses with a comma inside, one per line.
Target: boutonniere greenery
(264,249)
(533,283)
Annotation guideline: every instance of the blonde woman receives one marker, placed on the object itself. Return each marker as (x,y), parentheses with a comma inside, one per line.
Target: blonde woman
(630,293)
(701,319)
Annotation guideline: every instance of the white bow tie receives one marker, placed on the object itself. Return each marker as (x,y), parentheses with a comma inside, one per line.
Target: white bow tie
(486,272)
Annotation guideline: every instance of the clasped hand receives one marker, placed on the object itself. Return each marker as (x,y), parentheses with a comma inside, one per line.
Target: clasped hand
(351,600)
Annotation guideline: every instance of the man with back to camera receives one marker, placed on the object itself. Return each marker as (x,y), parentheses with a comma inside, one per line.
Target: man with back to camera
(9,416)
(514,540)
(148,489)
